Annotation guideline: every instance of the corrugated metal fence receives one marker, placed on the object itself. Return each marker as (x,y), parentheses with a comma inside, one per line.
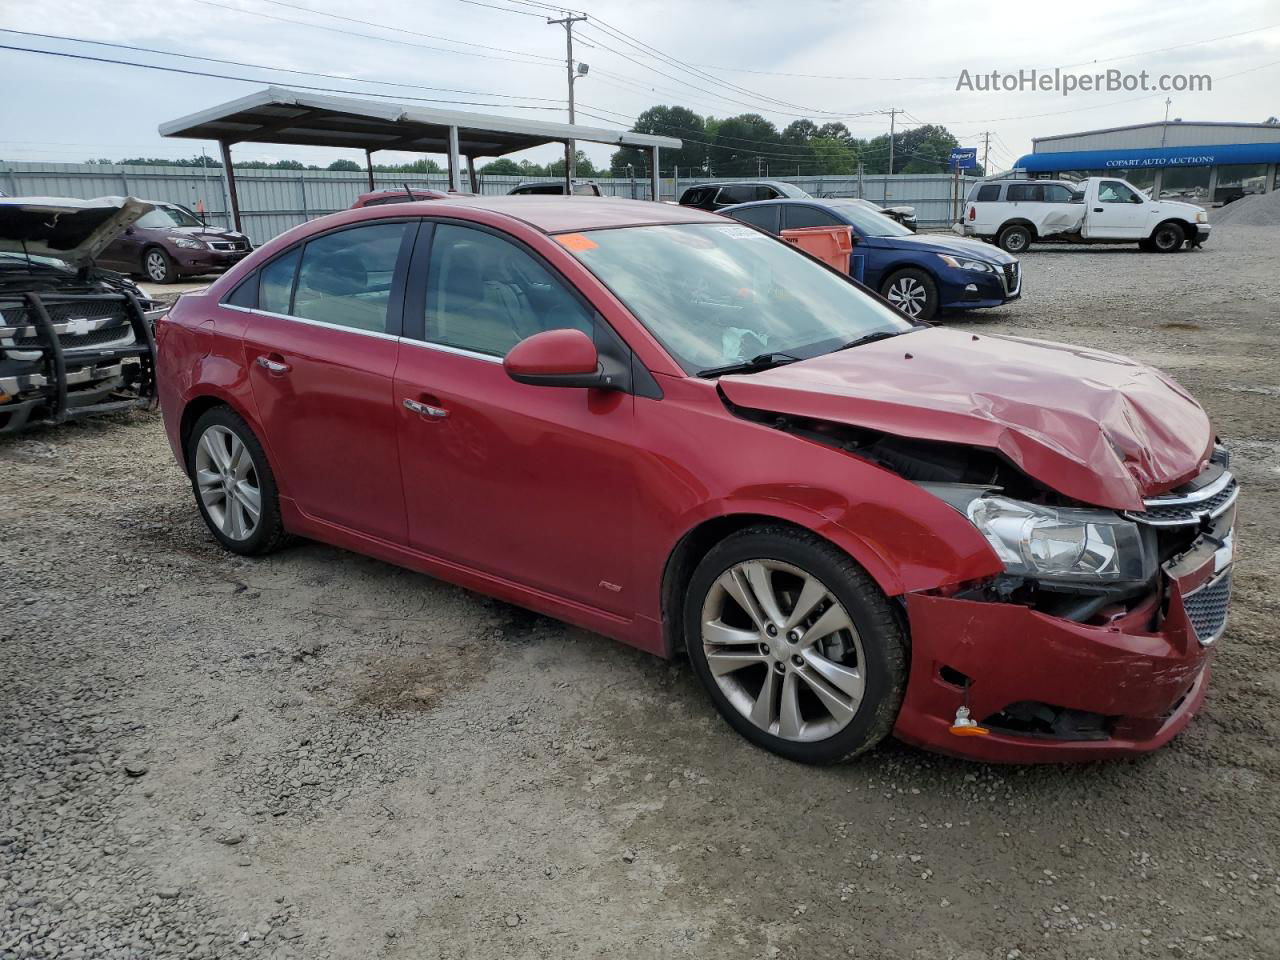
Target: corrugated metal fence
(272,201)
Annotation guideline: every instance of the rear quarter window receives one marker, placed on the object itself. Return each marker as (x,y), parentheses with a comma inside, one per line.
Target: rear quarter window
(988,193)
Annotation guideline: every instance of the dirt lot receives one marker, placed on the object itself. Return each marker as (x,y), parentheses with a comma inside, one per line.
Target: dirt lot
(318,755)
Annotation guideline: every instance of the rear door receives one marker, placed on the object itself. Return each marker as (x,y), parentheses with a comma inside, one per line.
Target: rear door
(535,485)
(321,351)
(1116,211)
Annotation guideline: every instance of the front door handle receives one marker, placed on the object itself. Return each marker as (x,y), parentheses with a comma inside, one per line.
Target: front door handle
(1098,210)
(425,409)
(272,366)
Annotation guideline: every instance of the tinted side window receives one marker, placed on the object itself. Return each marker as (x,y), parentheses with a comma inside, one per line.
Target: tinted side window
(803,216)
(767,193)
(1057,193)
(1026,191)
(988,193)
(764,217)
(736,194)
(697,196)
(486,294)
(345,277)
(275,284)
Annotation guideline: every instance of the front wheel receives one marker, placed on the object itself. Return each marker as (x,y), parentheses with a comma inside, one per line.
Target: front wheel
(1168,238)
(913,292)
(798,648)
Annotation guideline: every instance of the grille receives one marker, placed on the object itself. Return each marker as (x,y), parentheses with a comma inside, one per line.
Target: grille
(1175,514)
(1207,608)
(1010,277)
(94,338)
(229,244)
(78,310)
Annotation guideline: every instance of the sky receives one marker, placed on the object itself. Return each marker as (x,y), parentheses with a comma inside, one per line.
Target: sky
(849,61)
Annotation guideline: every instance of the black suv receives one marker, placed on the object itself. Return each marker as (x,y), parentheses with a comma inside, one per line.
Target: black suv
(717,196)
(74,340)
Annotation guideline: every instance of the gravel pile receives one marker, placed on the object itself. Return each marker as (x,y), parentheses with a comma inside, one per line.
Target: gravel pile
(1256,210)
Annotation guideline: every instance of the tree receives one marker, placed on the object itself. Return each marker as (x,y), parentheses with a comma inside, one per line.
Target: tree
(582,163)
(799,132)
(502,167)
(349,165)
(832,156)
(742,144)
(665,121)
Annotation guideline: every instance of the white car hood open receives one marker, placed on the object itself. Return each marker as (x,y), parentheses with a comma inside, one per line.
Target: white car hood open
(63,227)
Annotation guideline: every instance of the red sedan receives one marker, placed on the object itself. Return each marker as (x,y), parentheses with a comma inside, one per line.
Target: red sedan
(679,432)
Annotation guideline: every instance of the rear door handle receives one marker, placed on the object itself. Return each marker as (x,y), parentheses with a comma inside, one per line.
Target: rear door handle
(425,409)
(272,366)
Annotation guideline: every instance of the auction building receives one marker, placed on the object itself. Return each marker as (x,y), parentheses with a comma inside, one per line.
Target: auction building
(1200,162)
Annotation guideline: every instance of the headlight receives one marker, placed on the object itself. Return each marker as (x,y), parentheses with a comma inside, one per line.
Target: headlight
(189,243)
(1202,217)
(1053,543)
(961,263)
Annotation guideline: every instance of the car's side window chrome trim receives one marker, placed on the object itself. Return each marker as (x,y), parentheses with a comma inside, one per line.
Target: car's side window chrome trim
(311,323)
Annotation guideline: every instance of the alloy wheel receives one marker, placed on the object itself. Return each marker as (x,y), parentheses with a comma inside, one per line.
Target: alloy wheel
(908,295)
(157,268)
(227,479)
(783,650)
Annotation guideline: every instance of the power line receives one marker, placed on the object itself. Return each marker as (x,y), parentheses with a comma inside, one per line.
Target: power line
(368,36)
(415,33)
(223,76)
(259,66)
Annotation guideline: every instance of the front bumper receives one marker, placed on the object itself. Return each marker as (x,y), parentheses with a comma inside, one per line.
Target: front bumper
(1142,675)
(207,261)
(1202,234)
(969,289)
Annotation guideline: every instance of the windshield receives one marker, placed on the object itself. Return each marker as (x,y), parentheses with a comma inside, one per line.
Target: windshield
(17,261)
(868,222)
(162,218)
(717,294)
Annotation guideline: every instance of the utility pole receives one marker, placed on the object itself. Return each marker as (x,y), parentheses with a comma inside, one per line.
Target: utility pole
(986,149)
(570,146)
(893,113)
(1164,134)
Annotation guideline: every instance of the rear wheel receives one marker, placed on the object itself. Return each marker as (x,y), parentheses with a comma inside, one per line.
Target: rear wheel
(1014,239)
(158,266)
(796,645)
(1168,238)
(913,292)
(233,483)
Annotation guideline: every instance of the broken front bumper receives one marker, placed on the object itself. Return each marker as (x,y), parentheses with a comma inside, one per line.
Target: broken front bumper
(1121,687)
(68,381)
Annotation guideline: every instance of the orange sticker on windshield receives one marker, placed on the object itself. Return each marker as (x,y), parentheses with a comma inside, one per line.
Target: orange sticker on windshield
(576,242)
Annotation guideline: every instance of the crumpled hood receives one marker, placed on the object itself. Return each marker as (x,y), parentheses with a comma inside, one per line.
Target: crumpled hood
(63,227)
(1094,426)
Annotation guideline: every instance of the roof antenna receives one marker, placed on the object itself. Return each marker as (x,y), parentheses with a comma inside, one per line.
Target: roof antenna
(408,192)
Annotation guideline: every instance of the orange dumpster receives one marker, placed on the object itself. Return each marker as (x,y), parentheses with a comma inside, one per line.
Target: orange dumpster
(831,245)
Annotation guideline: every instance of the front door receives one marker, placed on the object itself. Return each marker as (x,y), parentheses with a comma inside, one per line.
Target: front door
(1118,212)
(321,351)
(536,485)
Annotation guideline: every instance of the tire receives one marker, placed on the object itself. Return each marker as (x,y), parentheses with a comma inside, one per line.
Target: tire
(157,266)
(228,474)
(1014,239)
(780,678)
(1168,238)
(913,293)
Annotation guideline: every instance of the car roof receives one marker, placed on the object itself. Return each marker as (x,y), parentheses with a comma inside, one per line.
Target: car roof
(552,213)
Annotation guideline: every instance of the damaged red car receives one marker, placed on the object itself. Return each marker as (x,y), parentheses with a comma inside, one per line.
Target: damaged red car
(679,432)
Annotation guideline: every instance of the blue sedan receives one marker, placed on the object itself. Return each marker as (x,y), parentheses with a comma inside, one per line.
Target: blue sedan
(918,274)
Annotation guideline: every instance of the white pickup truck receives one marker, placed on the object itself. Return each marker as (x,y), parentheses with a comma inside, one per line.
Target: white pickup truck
(1016,213)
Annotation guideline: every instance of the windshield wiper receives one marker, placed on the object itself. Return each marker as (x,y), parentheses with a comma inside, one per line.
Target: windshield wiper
(870,338)
(761,361)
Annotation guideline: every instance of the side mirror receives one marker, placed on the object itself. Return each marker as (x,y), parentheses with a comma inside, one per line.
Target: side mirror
(128,231)
(557,358)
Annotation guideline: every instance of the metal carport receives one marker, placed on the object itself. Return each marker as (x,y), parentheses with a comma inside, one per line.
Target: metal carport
(282,115)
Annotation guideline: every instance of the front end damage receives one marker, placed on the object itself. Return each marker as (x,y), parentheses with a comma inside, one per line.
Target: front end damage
(66,355)
(1108,657)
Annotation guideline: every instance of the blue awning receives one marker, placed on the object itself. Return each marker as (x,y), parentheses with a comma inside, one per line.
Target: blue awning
(1151,157)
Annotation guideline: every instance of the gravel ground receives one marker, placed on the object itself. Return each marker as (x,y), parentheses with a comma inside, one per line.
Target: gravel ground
(317,755)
